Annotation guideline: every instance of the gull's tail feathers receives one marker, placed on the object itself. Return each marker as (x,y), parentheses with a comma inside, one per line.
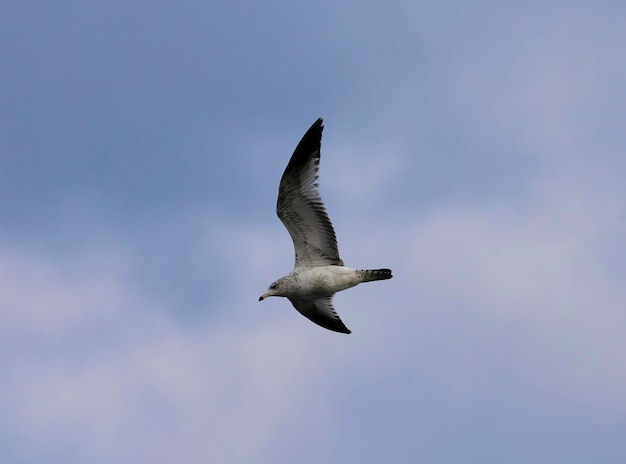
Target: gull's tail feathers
(370,275)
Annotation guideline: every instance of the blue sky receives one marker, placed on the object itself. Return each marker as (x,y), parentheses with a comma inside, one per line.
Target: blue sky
(476,148)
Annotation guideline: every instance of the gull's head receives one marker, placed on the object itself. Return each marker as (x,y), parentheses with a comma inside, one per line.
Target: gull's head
(272,290)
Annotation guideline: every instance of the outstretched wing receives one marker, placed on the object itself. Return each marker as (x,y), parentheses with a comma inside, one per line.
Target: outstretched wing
(321,312)
(300,206)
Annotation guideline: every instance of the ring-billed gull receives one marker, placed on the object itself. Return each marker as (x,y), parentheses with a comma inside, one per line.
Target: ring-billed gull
(318,273)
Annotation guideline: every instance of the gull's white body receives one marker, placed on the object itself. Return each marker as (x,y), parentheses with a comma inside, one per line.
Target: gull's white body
(320,281)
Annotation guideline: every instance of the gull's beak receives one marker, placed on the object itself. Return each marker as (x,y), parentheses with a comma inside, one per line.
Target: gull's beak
(262,297)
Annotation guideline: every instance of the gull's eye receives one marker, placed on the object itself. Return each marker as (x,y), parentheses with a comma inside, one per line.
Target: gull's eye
(273,287)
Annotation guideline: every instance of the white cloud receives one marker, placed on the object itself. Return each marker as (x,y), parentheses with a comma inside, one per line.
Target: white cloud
(101,371)
(535,266)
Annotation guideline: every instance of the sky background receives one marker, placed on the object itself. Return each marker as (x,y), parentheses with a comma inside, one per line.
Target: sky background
(476,148)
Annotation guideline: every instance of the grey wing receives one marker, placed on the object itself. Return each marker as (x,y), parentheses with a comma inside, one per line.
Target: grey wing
(321,312)
(300,206)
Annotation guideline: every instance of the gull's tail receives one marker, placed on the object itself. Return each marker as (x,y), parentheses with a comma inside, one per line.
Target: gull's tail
(374,274)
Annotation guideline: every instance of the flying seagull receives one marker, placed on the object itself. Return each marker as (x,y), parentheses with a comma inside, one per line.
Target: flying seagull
(318,273)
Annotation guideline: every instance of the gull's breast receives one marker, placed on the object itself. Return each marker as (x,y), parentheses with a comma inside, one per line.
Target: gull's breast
(325,280)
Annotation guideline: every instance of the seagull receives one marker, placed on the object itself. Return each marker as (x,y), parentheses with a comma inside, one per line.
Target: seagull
(318,272)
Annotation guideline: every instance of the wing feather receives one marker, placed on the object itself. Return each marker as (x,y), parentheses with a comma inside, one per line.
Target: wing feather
(321,312)
(300,205)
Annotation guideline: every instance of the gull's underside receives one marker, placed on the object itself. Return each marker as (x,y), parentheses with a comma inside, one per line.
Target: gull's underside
(300,206)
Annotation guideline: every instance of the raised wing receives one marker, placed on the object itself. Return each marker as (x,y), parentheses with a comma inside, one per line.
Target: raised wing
(321,312)
(300,206)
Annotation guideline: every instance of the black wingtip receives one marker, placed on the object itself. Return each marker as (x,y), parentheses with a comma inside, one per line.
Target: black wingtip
(309,145)
(312,139)
(339,328)
(342,330)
